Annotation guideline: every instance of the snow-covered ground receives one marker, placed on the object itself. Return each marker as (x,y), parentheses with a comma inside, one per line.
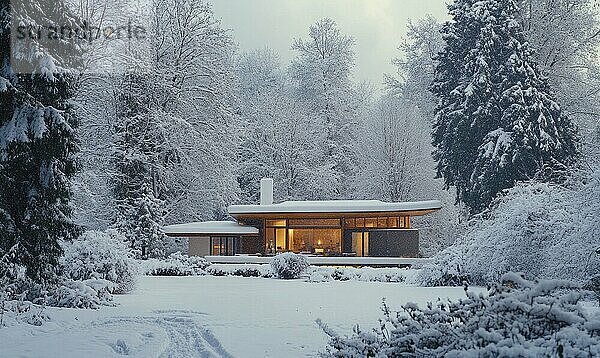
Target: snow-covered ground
(210,316)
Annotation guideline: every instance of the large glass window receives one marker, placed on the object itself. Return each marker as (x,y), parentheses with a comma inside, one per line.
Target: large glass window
(276,223)
(280,239)
(314,222)
(275,240)
(370,222)
(377,222)
(315,240)
(315,235)
(220,246)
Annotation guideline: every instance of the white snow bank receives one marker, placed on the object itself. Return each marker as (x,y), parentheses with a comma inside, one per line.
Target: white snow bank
(546,231)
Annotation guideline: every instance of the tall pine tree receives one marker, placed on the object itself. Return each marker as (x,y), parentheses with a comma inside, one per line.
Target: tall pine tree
(137,157)
(37,136)
(497,121)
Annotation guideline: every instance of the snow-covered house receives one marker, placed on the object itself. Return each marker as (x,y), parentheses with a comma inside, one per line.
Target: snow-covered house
(329,227)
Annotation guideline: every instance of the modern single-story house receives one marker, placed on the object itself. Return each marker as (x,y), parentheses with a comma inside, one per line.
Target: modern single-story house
(329,228)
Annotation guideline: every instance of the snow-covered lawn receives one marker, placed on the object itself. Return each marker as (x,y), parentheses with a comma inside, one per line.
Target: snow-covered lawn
(213,316)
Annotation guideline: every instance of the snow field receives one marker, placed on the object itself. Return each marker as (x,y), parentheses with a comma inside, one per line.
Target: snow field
(207,316)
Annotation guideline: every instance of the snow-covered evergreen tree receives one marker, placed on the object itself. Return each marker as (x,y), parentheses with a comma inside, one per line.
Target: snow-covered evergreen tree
(564,34)
(137,157)
(37,138)
(497,121)
(93,202)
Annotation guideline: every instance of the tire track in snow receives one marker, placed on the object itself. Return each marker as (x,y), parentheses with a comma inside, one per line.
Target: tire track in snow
(185,337)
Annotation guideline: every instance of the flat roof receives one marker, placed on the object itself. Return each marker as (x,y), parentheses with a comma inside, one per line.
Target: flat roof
(336,206)
(209,227)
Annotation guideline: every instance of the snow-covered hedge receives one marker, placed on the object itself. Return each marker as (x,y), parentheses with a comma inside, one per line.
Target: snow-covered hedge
(289,265)
(176,264)
(243,270)
(101,256)
(546,231)
(369,274)
(518,318)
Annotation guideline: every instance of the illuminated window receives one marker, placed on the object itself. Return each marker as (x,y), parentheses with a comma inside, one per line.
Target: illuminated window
(382,222)
(360,222)
(275,223)
(280,240)
(270,240)
(370,222)
(314,222)
(393,222)
(315,240)
(220,246)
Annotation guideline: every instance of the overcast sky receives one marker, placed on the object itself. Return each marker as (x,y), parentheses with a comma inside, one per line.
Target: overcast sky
(376,25)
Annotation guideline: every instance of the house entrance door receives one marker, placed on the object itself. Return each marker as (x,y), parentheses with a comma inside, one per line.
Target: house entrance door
(360,243)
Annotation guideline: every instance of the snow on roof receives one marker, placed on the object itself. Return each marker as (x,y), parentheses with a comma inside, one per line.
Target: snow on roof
(210,227)
(335,206)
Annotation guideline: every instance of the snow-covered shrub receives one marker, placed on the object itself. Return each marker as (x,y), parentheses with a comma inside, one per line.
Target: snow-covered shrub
(17,311)
(319,275)
(594,285)
(445,270)
(243,270)
(367,274)
(518,318)
(176,264)
(289,265)
(24,300)
(90,293)
(100,255)
(544,230)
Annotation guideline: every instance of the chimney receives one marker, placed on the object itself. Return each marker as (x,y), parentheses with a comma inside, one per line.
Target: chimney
(266,191)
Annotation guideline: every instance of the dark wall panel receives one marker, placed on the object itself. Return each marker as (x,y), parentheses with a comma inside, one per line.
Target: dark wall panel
(394,243)
(251,245)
